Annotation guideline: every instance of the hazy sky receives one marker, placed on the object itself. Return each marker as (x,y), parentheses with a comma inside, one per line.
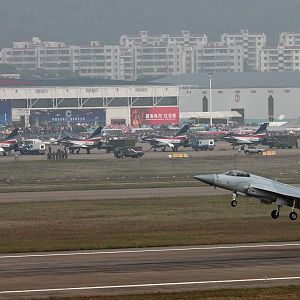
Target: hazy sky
(80,21)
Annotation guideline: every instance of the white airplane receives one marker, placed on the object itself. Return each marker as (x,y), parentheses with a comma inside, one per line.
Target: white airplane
(180,139)
(248,139)
(10,143)
(93,141)
(246,184)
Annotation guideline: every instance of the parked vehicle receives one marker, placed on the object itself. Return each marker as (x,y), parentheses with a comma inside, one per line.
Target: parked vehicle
(112,144)
(123,152)
(254,150)
(282,141)
(208,144)
(32,146)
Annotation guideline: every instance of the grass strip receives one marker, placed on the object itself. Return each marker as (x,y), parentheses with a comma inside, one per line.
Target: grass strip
(278,293)
(125,223)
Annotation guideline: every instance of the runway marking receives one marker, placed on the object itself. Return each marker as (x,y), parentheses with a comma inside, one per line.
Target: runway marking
(152,250)
(109,287)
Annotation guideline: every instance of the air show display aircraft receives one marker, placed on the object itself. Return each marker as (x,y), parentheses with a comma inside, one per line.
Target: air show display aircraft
(248,139)
(10,143)
(249,185)
(75,144)
(180,139)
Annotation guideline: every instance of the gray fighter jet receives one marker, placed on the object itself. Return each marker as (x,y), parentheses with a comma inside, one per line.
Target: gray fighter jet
(249,185)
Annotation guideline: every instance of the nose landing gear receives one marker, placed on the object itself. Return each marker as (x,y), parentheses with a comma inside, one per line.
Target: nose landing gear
(234,201)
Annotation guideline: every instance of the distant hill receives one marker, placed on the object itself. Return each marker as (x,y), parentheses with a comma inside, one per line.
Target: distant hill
(80,21)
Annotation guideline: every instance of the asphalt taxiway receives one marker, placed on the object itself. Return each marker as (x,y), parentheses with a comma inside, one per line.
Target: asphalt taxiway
(148,270)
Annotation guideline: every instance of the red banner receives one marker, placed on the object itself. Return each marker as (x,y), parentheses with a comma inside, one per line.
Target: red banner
(154,115)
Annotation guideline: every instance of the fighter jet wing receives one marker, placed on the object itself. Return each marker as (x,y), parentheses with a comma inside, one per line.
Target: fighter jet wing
(242,141)
(164,144)
(276,188)
(78,145)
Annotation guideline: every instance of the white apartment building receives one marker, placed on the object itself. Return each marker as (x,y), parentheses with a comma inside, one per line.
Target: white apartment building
(155,56)
(286,57)
(145,56)
(96,60)
(144,39)
(218,57)
(290,38)
(252,44)
(282,58)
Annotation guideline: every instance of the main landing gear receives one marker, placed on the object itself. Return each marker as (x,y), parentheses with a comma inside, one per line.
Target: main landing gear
(234,201)
(293,215)
(275,212)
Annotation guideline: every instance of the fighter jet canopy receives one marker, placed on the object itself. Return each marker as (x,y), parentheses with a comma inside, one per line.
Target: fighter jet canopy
(237,173)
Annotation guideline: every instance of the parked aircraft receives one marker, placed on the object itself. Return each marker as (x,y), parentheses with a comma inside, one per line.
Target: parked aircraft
(75,144)
(10,143)
(180,139)
(246,184)
(292,126)
(248,139)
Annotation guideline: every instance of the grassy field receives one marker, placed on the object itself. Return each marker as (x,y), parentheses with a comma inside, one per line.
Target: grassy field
(39,175)
(70,225)
(274,293)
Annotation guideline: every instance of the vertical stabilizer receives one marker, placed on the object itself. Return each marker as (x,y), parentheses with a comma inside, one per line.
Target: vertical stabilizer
(262,128)
(13,135)
(96,132)
(183,130)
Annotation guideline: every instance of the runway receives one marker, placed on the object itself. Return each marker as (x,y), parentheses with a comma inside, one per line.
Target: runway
(143,193)
(148,270)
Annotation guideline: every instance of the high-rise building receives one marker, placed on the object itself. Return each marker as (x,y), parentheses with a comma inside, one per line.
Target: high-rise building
(289,38)
(251,43)
(218,57)
(153,56)
(144,39)
(282,58)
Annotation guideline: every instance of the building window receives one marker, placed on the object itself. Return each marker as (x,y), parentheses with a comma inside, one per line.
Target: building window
(271,108)
(270,91)
(253,91)
(205,104)
(287,91)
(237,92)
(204,92)
(220,92)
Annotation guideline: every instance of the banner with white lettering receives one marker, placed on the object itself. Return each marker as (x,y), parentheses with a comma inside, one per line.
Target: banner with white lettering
(154,115)
(65,116)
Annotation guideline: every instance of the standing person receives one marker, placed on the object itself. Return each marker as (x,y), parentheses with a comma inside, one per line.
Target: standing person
(66,153)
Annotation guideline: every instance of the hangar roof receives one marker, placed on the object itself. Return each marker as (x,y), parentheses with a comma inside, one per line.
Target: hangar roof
(70,81)
(214,114)
(236,80)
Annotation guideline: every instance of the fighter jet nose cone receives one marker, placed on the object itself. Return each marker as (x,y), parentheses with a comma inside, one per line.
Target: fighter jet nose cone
(209,179)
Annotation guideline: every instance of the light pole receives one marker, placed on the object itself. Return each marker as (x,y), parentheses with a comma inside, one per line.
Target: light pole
(210,76)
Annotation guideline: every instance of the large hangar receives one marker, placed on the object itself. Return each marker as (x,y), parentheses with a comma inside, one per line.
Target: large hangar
(112,103)
(257,96)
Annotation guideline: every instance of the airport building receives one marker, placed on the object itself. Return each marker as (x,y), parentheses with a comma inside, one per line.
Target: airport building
(94,101)
(256,96)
